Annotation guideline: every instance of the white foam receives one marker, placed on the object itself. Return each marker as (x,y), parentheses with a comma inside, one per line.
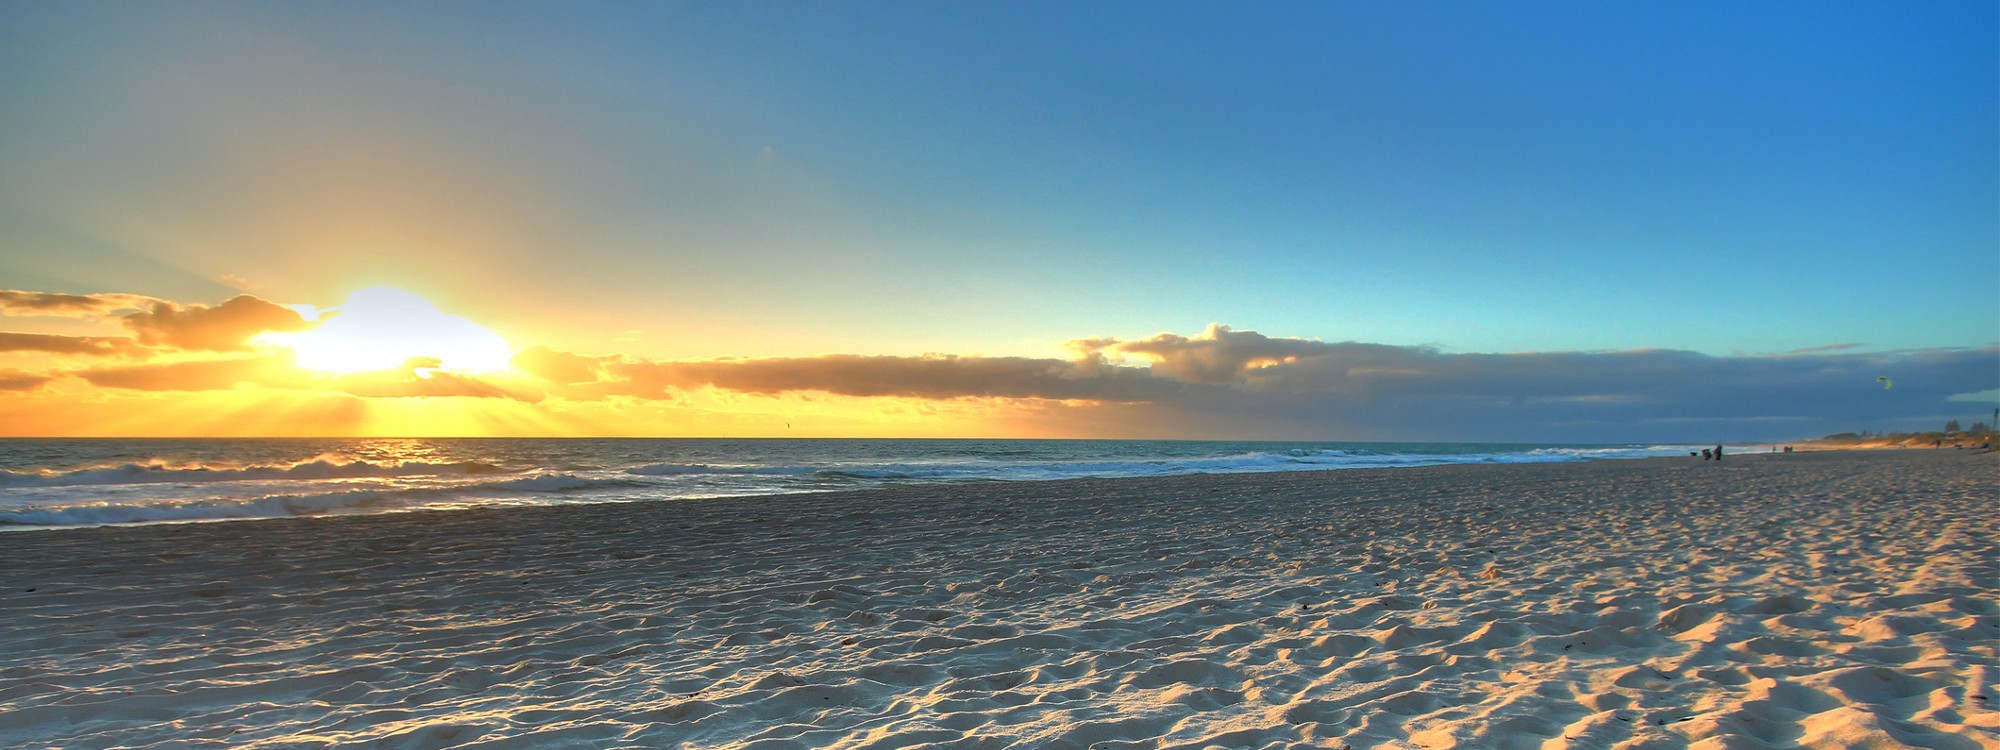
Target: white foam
(142,507)
(553,483)
(269,506)
(686,469)
(158,491)
(156,472)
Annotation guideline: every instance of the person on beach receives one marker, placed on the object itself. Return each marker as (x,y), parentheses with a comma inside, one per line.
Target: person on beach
(1707,454)
(1718,452)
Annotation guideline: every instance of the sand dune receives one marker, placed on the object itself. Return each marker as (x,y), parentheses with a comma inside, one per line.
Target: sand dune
(1836,600)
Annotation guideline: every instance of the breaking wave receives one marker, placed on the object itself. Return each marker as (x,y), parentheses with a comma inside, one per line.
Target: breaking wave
(126,486)
(668,470)
(280,505)
(320,468)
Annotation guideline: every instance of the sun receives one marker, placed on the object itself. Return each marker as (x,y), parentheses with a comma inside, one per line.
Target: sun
(382,328)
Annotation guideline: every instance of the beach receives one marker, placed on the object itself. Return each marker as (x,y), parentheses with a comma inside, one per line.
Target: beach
(1829,599)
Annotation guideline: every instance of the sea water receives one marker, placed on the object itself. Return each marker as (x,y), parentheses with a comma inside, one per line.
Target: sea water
(56,483)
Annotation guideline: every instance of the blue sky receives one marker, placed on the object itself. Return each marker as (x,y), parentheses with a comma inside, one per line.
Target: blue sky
(699,180)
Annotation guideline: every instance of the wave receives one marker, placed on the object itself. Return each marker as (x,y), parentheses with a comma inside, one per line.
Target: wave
(555,483)
(157,491)
(1554,455)
(213,509)
(319,468)
(286,505)
(1260,461)
(663,470)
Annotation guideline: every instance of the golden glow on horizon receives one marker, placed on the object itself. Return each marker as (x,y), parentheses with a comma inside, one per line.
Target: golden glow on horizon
(258,411)
(383,328)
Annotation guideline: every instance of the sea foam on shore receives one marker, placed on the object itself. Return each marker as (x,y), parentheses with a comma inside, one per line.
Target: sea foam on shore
(1815,600)
(56,483)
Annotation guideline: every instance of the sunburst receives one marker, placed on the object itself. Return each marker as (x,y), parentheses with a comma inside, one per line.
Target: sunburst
(383,328)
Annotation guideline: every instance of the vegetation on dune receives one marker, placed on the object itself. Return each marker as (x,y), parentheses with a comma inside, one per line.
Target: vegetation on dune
(1980,435)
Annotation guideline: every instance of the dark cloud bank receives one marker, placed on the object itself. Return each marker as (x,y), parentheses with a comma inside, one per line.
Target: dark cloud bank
(1244,384)
(1219,383)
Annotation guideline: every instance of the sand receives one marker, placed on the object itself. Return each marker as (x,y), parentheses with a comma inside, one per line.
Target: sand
(1841,599)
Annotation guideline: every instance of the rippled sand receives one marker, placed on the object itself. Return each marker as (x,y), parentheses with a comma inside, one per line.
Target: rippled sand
(1840,599)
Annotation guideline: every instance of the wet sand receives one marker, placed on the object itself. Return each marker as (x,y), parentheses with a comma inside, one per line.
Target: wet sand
(1836,599)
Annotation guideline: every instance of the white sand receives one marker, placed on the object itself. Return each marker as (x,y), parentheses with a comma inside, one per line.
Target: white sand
(1808,600)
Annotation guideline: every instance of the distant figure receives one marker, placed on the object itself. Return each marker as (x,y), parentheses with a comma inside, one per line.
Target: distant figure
(1707,454)
(1718,453)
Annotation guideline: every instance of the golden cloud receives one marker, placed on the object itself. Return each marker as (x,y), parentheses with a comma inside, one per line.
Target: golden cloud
(18,302)
(57,344)
(199,375)
(223,328)
(17,380)
(414,380)
(1216,356)
(928,377)
(558,367)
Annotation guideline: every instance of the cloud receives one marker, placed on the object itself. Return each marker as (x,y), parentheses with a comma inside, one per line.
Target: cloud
(17,380)
(1639,376)
(198,375)
(418,380)
(1387,392)
(1224,382)
(17,302)
(223,328)
(414,380)
(1251,362)
(1221,382)
(932,377)
(56,344)
(1217,356)
(558,367)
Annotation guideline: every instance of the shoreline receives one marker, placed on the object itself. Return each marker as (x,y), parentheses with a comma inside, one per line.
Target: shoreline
(174,516)
(1827,597)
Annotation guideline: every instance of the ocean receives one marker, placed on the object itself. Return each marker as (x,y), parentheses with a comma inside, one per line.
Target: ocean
(60,483)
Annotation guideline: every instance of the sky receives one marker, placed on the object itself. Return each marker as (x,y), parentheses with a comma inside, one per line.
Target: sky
(1540,221)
